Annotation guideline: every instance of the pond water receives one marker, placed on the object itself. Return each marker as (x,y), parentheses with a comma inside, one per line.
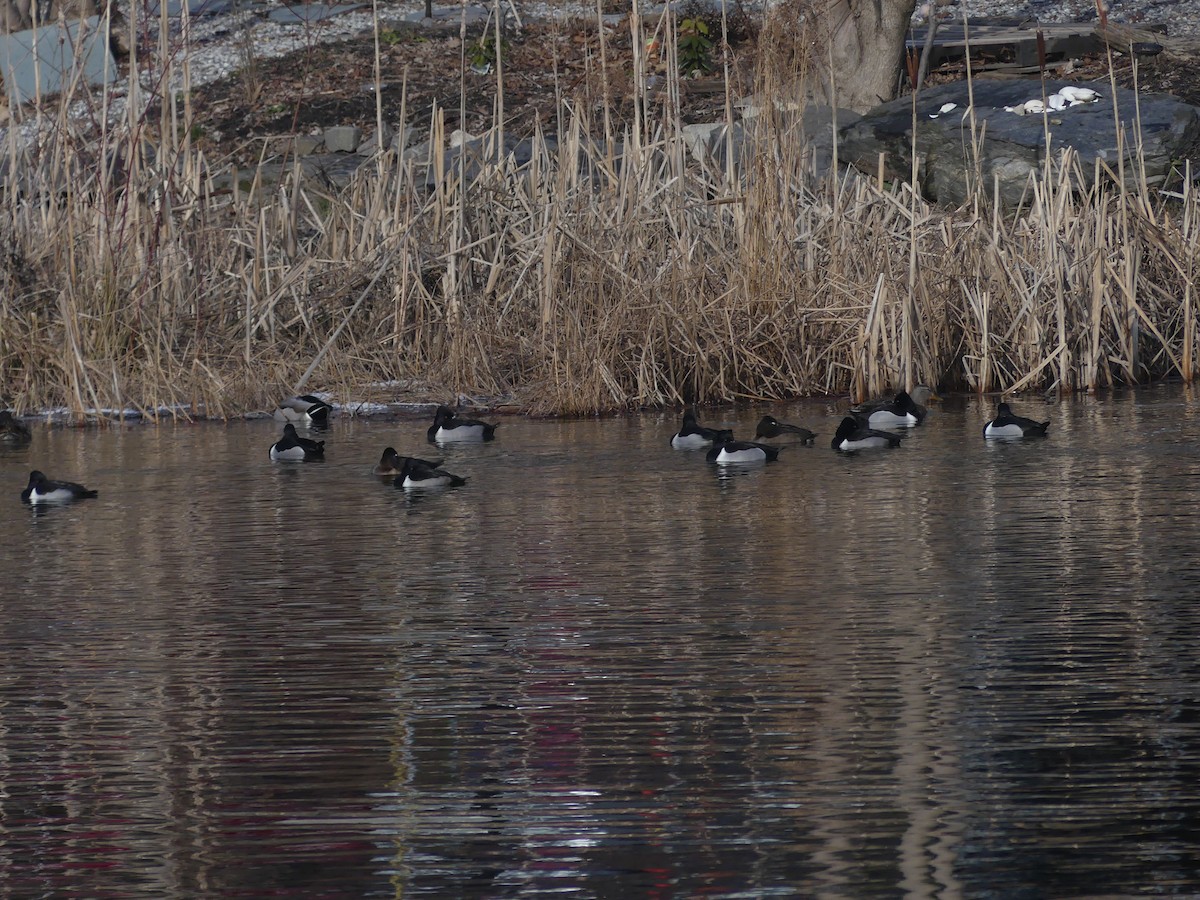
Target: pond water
(604,669)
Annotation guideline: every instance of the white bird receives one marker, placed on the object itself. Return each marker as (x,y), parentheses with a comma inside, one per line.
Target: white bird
(1079,94)
(1057,101)
(1034,106)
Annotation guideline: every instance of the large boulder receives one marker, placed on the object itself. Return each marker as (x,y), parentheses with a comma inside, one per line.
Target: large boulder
(1013,146)
(21,15)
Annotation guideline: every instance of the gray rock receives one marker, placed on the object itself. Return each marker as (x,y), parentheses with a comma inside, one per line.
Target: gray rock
(1014,146)
(402,138)
(47,58)
(817,122)
(332,170)
(323,171)
(307,144)
(286,146)
(702,139)
(710,142)
(25,15)
(374,141)
(343,138)
(418,153)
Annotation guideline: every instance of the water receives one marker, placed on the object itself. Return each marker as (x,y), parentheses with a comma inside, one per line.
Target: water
(603,669)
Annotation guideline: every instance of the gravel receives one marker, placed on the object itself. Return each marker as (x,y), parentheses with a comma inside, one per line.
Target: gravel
(1181,17)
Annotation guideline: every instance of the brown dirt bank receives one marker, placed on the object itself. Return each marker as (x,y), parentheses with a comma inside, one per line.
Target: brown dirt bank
(331,84)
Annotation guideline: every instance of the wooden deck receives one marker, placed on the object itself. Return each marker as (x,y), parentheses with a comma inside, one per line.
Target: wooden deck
(1006,44)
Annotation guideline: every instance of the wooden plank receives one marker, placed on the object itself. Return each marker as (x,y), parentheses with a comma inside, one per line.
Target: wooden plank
(1019,41)
(1122,36)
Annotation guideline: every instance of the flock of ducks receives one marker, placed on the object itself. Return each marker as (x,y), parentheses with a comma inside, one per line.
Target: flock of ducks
(407,472)
(869,426)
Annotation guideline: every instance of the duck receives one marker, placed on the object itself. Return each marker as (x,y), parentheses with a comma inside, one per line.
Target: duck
(12,431)
(921,395)
(729,451)
(902,412)
(1006,425)
(293,447)
(391,463)
(770,427)
(416,473)
(694,436)
(42,490)
(305,409)
(855,434)
(447,426)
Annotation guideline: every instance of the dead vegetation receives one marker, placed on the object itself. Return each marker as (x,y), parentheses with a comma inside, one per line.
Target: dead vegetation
(582,282)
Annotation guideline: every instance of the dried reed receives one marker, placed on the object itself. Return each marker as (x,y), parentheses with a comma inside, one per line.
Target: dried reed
(605,274)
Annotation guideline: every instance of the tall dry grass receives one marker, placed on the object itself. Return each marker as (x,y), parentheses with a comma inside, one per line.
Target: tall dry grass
(612,271)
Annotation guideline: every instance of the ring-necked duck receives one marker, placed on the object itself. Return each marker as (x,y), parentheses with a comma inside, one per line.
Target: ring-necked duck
(391,463)
(770,427)
(1006,425)
(694,436)
(735,452)
(921,395)
(854,434)
(305,409)
(293,447)
(416,474)
(42,490)
(901,412)
(447,426)
(13,431)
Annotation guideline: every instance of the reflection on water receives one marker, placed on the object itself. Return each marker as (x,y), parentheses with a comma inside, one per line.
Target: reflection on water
(605,666)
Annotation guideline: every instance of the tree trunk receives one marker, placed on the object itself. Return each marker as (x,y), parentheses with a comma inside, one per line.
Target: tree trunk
(864,50)
(1120,37)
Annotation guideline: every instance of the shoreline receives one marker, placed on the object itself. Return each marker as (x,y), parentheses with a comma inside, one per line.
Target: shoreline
(419,410)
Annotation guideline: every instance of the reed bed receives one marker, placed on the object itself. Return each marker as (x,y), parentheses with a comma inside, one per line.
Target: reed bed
(610,272)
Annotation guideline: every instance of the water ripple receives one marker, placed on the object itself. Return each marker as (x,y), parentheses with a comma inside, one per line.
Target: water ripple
(605,668)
